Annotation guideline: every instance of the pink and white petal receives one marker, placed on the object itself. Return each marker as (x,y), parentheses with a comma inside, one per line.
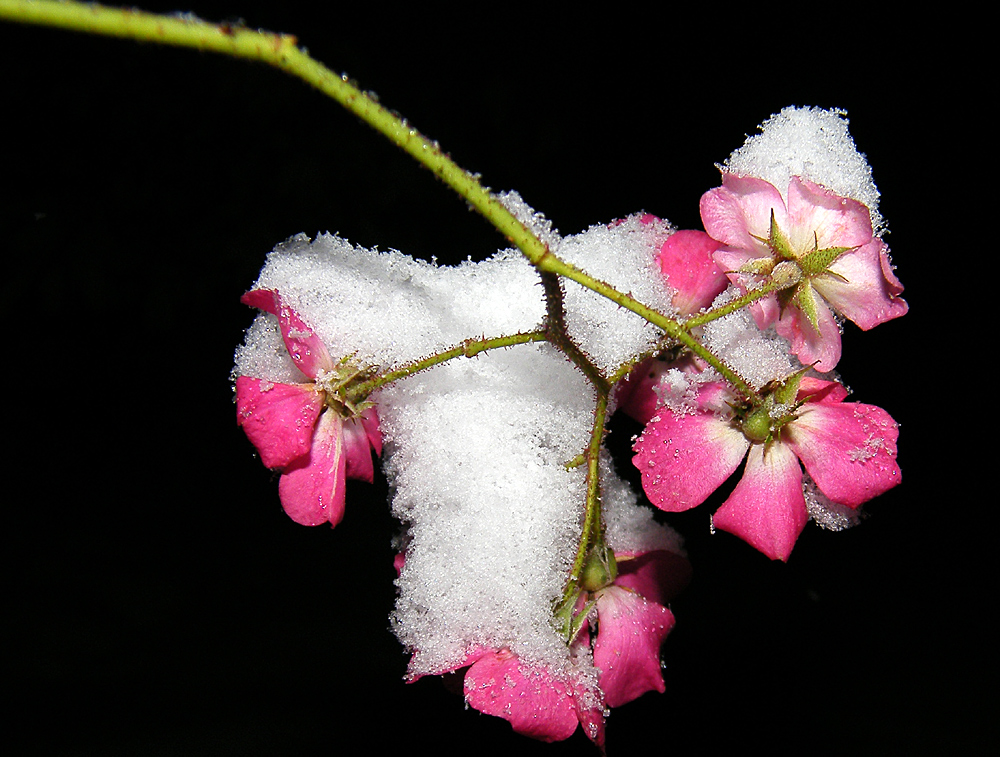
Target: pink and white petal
(738,213)
(684,458)
(312,488)
(278,418)
(823,347)
(849,449)
(864,289)
(836,221)
(631,630)
(687,263)
(357,451)
(659,575)
(767,509)
(306,348)
(529,698)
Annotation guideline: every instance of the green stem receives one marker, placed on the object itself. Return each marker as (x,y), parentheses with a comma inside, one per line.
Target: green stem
(469,348)
(591,530)
(731,307)
(280,51)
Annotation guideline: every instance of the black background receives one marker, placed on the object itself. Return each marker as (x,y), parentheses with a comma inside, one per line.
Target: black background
(162,603)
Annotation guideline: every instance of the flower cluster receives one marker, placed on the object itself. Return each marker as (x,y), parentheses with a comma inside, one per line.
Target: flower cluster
(531,570)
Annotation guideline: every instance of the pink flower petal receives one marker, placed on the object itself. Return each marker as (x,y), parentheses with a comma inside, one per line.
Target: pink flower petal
(865,289)
(684,458)
(686,261)
(767,509)
(631,630)
(635,395)
(312,488)
(823,347)
(738,213)
(817,216)
(278,418)
(659,575)
(305,347)
(818,390)
(358,451)
(848,448)
(529,698)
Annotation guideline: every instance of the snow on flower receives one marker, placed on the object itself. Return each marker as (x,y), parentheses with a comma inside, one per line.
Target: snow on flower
(820,244)
(848,449)
(301,429)
(534,700)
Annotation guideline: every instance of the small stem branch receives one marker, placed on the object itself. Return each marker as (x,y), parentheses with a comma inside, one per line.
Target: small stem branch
(731,307)
(591,530)
(555,330)
(469,348)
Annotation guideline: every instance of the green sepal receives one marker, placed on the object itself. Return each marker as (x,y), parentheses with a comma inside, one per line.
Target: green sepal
(777,242)
(786,393)
(806,298)
(817,261)
(599,569)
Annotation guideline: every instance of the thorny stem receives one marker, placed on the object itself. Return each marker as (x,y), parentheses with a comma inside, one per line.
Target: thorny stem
(733,305)
(468,348)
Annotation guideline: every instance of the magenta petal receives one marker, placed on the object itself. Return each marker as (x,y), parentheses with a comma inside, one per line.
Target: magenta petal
(848,448)
(767,509)
(684,458)
(686,261)
(865,289)
(631,630)
(305,347)
(534,704)
(278,418)
(357,451)
(312,488)
(659,575)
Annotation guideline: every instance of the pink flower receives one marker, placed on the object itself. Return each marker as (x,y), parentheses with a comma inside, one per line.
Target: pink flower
(848,448)
(301,429)
(820,244)
(632,623)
